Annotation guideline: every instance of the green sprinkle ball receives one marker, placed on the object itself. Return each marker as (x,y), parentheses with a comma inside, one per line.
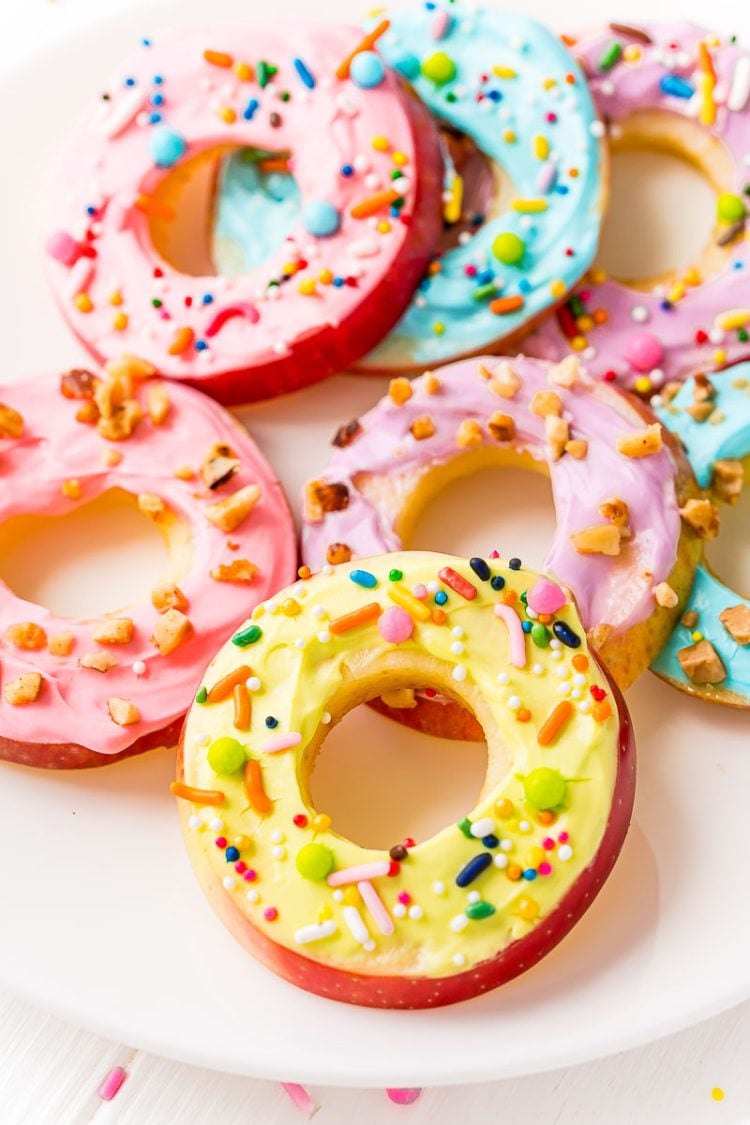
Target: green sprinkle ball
(314,861)
(508,248)
(730,208)
(396,575)
(545,788)
(439,68)
(540,635)
(226,756)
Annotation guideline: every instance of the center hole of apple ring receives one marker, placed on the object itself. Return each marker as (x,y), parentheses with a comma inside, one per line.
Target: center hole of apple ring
(475,188)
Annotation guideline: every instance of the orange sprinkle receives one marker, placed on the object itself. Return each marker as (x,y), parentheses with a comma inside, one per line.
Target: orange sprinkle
(554,722)
(274,164)
(244,71)
(523,715)
(83,302)
(501,306)
(504,808)
(197,796)
(366,44)
(514,872)
(545,618)
(304,572)
(438,616)
(705,61)
(182,340)
(241,697)
(218,58)
(508,597)
(224,688)
(374,204)
(361,616)
(580,662)
(152,207)
(602,711)
(227,114)
(546,817)
(256,794)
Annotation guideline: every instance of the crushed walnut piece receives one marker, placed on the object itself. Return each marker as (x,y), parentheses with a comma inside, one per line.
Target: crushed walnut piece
(641,443)
(736,621)
(338,553)
(502,427)
(71,489)
(728,478)
(24,689)
(701,663)
(26,635)
(229,513)
(114,631)
(469,434)
(703,388)
(577,448)
(98,661)
(121,423)
(346,434)
(566,373)
(702,516)
(239,570)
(79,383)
(400,390)
(168,596)
(123,711)
(689,619)
(504,379)
(131,366)
(422,428)
(172,629)
(184,472)
(665,596)
(601,539)
(11,422)
(546,402)
(157,403)
(111,457)
(61,644)
(88,413)
(322,497)
(557,432)
(617,512)
(151,505)
(431,383)
(700,411)
(219,466)
(669,391)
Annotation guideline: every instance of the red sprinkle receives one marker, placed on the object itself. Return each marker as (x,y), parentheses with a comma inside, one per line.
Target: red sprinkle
(300,820)
(701,336)
(457,583)
(609,376)
(221,841)
(393,868)
(598,693)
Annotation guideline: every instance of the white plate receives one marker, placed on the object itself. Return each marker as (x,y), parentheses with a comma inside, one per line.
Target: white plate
(101,920)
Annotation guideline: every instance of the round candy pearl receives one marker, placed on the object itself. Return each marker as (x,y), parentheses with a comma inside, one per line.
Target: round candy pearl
(439,68)
(314,861)
(644,351)
(166,146)
(321,219)
(226,756)
(366,70)
(545,788)
(395,625)
(508,248)
(730,208)
(545,596)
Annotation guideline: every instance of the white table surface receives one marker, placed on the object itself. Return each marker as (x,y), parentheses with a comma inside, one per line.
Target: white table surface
(50,1071)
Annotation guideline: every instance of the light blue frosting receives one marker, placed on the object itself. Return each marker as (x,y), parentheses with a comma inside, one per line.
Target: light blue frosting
(253,214)
(705,443)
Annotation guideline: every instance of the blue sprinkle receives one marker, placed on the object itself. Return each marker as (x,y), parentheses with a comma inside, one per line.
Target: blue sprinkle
(271,722)
(207,299)
(675,86)
(471,870)
(565,634)
(158,79)
(145,42)
(430,5)
(338,282)
(665,306)
(514,564)
(477,220)
(408,65)
(497,582)
(130,81)
(347,170)
(321,218)
(530,874)
(524,285)
(562,189)
(363,578)
(156,99)
(526,626)
(304,73)
(480,568)
(154,118)
(441,597)
(91,210)
(490,841)
(200,345)
(249,111)
(494,95)
(485,277)
(393,211)
(232,854)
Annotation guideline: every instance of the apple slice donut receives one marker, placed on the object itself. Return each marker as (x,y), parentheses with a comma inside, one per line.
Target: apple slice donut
(708,654)
(618,484)
(679,88)
(434,921)
(366,161)
(85,692)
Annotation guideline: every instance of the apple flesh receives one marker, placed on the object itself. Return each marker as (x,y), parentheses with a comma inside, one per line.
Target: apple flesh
(71,756)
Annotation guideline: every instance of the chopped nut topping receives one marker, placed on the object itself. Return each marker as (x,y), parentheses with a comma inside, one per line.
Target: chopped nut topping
(665,596)
(71,489)
(702,517)
(727,480)
(557,432)
(168,596)
(669,391)
(736,621)
(431,383)
(157,403)
(79,383)
(61,644)
(111,457)
(123,711)
(172,629)
(617,512)
(233,510)
(566,373)
(219,466)
(346,434)
(131,366)
(602,539)
(98,661)
(504,379)
(577,448)
(689,619)
(115,631)
(701,663)
(239,570)
(184,472)
(151,505)
(26,634)
(88,413)
(700,411)
(641,443)
(338,553)
(469,434)
(11,422)
(322,497)
(23,690)
(703,388)
(400,390)
(422,428)
(120,425)
(546,402)
(501,426)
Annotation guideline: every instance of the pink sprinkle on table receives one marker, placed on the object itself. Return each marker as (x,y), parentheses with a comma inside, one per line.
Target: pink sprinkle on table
(112,1083)
(404,1097)
(300,1097)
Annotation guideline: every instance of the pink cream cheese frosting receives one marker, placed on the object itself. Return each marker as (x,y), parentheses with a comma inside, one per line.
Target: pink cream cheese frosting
(55,464)
(477,402)
(642,339)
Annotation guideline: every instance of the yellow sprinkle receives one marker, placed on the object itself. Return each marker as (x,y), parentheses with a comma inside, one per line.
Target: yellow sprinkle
(115,298)
(290,607)
(720,356)
(732,319)
(504,72)
(578,343)
(696,636)
(509,136)
(676,293)
(227,114)
(585,324)
(643,384)
(717,1094)
(383,226)
(325,912)
(529,206)
(243,71)
(537,855)
(399,158)
(325,277)
(307,287)
(557,287)
(541,147)
(632,53)
(351,896)
(72,489)
(381,144)
(289,268)
(438,328)
(691,276)
(452,207)
(120,321)
(549,83)
(83,302)
(403,597)
(258,612)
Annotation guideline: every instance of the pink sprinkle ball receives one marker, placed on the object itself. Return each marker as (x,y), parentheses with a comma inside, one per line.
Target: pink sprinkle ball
(63,248)
(545,596)
(548,843)
(270,914)
(404,1097)
(404,897)
(563,837)
(545,868)
(643,351)
(420,591)
(250,875)
(395,625)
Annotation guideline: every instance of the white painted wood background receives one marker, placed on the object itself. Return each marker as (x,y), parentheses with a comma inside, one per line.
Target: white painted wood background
(50,1071)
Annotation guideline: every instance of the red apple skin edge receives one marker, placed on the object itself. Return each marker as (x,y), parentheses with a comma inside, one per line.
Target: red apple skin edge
(324,351)
(71,756)
(428,992)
